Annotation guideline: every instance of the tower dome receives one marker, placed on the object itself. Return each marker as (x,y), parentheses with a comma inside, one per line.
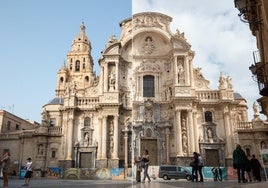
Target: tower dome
(81,42)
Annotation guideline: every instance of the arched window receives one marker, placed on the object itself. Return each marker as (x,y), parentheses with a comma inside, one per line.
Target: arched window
(61,79)
(86,78)
(86,122)
(77,65)
(148,86)
(208,116)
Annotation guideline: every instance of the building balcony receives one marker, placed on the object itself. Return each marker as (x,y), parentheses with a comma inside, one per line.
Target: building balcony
(260,74)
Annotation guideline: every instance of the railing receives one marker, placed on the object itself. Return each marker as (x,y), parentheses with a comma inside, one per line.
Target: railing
(244,125)
(89,102)
(54,130)
(208,95)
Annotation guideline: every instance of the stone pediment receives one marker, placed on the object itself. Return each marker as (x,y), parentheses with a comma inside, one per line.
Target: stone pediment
(112,49)
(180,42)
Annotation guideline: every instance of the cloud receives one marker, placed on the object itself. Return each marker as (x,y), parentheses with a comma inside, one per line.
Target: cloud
(222,43)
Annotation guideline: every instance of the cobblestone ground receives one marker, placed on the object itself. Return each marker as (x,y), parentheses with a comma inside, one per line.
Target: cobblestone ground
(49,183)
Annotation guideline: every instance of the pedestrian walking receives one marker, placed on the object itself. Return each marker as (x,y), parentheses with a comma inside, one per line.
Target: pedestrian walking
(145,159)
(194,165)
(256,168)
(239,162)
(5,160)
(29,172)
(199,167)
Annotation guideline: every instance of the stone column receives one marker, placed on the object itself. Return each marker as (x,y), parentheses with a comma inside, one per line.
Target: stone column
(116,137)
(178,133)
(167,145)
(176,70)
(99,153)
(186,70)
(125,131)
(105,76)
(196,135)
(101,79)
(191,131)
(116,76)
(228,133)
(104,138)
(70,136)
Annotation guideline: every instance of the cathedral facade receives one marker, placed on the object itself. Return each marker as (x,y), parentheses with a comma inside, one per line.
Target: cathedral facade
(148,95)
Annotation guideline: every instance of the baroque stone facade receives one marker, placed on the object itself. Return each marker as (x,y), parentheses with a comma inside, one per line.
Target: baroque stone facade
(148,95)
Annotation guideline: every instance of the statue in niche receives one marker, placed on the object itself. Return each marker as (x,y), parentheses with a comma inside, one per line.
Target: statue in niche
(184,143)
(148,46)
(209,135)
(180,72)
(111,144)
(183,124)
(111,129)
(168,93)
(112,81)
(86,139)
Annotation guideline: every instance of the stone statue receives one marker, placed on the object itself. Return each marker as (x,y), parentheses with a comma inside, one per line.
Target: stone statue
(229,82)
(255,108)
(184,142)
(112,81)
(180,73)
(222,82)
(209,135)
(86,140)
(111,130)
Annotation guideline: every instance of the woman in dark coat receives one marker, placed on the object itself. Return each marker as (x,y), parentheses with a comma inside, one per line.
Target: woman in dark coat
(256,168)
(239,163)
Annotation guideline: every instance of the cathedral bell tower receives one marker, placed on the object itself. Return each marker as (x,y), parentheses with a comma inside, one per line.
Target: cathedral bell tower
(78,72)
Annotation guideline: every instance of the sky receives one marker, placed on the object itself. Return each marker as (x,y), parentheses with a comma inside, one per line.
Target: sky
(35,37)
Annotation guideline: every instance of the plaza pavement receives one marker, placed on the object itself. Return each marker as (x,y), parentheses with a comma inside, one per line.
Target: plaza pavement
(158,183)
